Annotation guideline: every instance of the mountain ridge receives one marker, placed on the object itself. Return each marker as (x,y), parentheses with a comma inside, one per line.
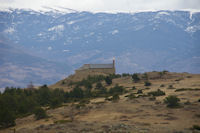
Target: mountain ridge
(144,41)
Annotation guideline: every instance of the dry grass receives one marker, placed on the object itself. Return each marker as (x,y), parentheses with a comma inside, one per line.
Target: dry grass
(135,115)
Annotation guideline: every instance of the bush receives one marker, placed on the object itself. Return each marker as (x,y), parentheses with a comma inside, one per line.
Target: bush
(139,92)
(170,87)
(147,83)
(199,100)
(131,96)
(145,76)
(40,113)
(99,86)
(157,93)
(133,88)
(116,89)
(172,101)
(153,98)
(115,97)
(135,77)
(162,85)
(55,102)
(108,80)
(196,127)
(125,74)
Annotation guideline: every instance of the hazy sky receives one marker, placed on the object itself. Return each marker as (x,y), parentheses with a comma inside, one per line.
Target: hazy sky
(105,5)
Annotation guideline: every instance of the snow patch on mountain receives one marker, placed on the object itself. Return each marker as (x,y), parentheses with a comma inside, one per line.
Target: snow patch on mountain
(65,50)
(114,32)
(49,48)
(10,30)
(192,29)
(57,28)
(71,22)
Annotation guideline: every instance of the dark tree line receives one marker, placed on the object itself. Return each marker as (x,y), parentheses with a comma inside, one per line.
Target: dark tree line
(16,102)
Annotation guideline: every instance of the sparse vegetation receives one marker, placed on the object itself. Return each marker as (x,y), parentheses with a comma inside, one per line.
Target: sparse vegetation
(131,96)
(115,97)
(135,77)
(152,98)
(187,102)
(134,88)
(196,127)
(108,80)
(162,85)
(170,87)
(99,86)
(125,74)
(116,89)
(81,93)
(172,101)
(187,89)
(157,93)
(139,92)
(62,121)
(147,88)
(147,83)
(145,76)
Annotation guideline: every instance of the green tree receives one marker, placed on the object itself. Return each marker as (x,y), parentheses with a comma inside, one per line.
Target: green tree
(55,102)
(7,116)
(77,93)
(135,77)
(108,80)
(172,101)
(115,97)
(147,83)
(99,86)
(40,113)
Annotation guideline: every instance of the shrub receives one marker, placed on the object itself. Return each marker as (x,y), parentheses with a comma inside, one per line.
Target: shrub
(99,85)
(55,102)
(139,92)
(157,93)
(162,85)
(187,102)
(196,127)
(170,87)
(152,98)
(115,97)
(145,76)
(172,101)
(77,93)
(116,89)
(40,113)
(131,96)
(133,88)
(135,77)
(80,105)
(125,74)
(147,83)
(108,80)
(142,95)
(199,100)
(63,82)
(187,89)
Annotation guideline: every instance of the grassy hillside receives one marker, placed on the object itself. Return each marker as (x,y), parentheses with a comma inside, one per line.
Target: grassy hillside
(142,106)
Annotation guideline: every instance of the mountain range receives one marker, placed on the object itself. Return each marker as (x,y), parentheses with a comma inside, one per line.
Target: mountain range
(44,47)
